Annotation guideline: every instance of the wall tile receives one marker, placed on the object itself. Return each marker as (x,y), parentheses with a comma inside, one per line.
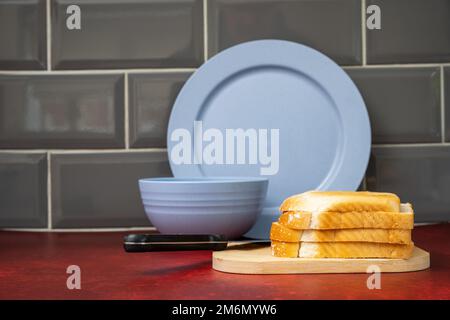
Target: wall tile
(419,175)
(101,190)
(121,34)
(330,26)
(403,104)
(151,99)
(23,35)
(447,102)
(23,190)
(411,31)
(55,111)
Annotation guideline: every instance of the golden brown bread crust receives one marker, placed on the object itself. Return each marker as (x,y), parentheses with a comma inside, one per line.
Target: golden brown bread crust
(342,201)
(342,250)
(350,220)
(297,220)
(285,249)
(343,224)
(279,232)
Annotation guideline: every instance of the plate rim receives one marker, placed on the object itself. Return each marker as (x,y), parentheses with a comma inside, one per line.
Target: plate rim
(235,52)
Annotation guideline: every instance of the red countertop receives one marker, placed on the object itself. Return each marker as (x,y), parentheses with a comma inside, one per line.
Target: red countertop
(33,266)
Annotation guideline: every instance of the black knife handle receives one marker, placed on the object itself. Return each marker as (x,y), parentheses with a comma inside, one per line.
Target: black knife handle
(173,242)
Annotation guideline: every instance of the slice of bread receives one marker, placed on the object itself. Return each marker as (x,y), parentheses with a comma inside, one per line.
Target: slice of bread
(282,233)
(350,220)
(341,250)
(342,201)
(285,249)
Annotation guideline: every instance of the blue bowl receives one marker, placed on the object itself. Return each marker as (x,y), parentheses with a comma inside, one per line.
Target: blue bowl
(227,206)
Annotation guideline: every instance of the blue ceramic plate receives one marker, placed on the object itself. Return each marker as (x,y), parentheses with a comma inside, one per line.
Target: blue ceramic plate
(304,123)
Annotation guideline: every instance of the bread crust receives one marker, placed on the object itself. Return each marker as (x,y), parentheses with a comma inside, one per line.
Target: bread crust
(301,220)
(285,249)
(342,201)
(345,250)
(279,232)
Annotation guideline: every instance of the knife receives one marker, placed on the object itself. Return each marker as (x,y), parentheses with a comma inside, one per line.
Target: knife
(179,242)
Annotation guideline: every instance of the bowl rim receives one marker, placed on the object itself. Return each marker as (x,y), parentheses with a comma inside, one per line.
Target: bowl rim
(201,180)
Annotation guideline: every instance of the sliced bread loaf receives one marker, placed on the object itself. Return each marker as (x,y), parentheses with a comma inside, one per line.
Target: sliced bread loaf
(341,250)
(280,232)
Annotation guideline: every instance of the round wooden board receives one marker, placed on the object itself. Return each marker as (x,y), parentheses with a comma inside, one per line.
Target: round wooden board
(254,259)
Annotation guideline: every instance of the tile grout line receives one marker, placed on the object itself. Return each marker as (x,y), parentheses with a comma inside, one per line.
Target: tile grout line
(142,150)
(396,65)
(115,229)
(406,145)
(363,33)
(49,35)
(139,150)
(82,151)
(174,70)
(96,71)
(126,113)
(118,229)
(442,96)
(49,193)
(205,30)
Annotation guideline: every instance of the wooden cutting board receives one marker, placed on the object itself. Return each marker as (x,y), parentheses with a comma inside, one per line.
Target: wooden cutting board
(257,259)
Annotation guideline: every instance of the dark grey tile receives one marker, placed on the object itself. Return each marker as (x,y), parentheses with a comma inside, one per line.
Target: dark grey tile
(403,104)
(362,185)
(411,31)
(55,111)
(447,102)
(101,190)
(151,99)
(23,190)
(419,175)
(330,26)
(23,35)
(122,34)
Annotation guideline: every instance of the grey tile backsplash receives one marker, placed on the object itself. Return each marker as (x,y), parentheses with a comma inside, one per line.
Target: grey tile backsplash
(412,31)
(419,175)
(129,34)
(61,111)
(84,112)
(330,26)
(101,189)
(404,104)
(447,102)
(23,42)
(23,190)
(151,98)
